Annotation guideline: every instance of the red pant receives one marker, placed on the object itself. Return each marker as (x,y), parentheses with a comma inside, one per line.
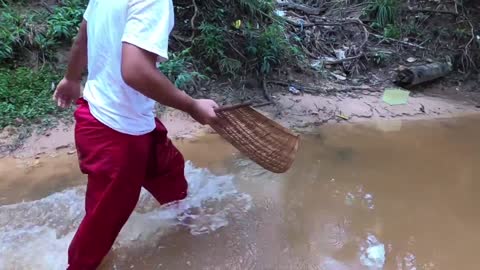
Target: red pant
(118,166)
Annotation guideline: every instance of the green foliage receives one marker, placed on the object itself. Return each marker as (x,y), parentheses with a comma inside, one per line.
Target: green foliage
(26,95)
(179,69)
(210,42)
(41,31)
(13,32)
(257,8)
(384,11)
(257,45)
(271,47)
(64,23)
(230,66)
(392,31)
(211,48)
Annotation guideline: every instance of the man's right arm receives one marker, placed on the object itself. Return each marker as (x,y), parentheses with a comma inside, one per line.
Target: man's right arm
(139,72)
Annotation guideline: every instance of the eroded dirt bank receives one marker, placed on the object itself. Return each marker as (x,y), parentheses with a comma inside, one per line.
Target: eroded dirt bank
(298,112)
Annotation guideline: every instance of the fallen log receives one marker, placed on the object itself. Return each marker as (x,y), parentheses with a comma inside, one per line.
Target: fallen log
(410,76)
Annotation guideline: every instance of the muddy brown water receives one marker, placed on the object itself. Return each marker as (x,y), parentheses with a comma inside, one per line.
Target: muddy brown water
(386,195)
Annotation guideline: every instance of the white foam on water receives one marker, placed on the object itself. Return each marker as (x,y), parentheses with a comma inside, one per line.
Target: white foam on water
(36,235)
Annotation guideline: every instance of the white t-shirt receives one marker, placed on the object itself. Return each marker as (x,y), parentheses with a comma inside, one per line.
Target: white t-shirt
(143,23)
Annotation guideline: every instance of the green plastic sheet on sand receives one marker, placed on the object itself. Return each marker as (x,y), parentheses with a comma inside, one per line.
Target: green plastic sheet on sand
(395,96)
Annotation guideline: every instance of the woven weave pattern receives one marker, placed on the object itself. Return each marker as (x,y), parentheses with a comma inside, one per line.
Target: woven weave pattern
(264,141)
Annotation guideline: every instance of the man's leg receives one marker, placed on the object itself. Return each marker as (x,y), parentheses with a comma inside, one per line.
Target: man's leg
(165,178)
(116,166)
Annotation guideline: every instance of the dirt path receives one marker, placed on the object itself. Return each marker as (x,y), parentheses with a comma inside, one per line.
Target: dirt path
(297,112)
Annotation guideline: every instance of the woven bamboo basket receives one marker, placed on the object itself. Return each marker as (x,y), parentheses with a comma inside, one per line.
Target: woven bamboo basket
(261,139)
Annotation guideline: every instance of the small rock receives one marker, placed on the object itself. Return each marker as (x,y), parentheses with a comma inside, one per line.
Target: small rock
(72,152)
(18,120)
(203,89)
(411,59)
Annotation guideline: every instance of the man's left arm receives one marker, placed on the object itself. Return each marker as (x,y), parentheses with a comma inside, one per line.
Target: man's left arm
(78,55)
(68,89)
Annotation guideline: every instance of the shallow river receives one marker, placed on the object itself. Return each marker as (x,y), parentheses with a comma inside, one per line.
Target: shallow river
(387,195)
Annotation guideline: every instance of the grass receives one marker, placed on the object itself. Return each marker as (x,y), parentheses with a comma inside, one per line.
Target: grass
(385,12)
(26,96)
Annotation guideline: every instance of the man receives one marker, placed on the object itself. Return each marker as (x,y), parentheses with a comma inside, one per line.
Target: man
(121,146)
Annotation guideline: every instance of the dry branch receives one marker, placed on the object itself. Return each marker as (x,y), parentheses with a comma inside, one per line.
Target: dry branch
(47,7)
(341,23)
(416,10)
(398,41)
(303,8)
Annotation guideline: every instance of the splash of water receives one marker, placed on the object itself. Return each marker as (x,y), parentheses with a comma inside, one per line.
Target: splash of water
(36,234)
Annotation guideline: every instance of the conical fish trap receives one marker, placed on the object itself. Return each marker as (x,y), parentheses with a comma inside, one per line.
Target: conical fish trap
(261,139)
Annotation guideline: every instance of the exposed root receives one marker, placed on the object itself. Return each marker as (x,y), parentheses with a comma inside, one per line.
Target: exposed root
(266,93)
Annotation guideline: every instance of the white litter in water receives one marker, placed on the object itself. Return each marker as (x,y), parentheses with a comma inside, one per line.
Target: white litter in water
(280,13)
(373,253)
(36,235)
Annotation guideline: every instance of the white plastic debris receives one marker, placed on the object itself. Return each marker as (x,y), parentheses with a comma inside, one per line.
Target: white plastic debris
(280,13)
(411,59)
(373,255)
(293,90)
